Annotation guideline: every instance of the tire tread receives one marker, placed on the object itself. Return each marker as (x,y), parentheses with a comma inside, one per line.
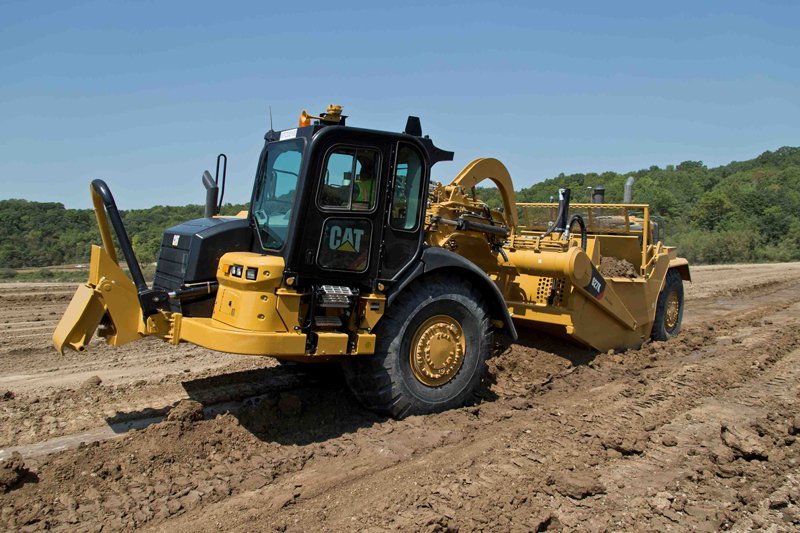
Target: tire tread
(377,384)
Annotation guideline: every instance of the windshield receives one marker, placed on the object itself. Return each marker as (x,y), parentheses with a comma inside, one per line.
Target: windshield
(277,184)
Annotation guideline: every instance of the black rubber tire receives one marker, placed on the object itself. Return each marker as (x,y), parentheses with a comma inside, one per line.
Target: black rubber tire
(385,383)
(672,283)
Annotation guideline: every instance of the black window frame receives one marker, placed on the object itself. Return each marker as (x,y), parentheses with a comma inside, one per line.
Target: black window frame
(298,189)
(422,192)
(349,209)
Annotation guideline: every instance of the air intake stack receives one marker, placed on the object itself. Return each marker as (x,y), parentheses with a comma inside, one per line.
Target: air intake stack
(628,195)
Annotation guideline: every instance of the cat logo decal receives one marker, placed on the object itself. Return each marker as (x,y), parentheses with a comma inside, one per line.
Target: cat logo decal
(345,239)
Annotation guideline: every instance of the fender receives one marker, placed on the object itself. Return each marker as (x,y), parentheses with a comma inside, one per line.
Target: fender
(434,259)
(682,266)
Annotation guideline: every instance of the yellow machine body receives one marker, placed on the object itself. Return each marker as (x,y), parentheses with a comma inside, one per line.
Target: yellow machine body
(258,317)
(548,282)
(544,279)
(108,299)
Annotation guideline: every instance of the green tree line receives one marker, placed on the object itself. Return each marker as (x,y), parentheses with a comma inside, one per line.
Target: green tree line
(740,212)
(37,234)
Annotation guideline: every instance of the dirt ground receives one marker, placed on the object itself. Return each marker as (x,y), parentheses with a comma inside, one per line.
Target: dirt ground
(697,433)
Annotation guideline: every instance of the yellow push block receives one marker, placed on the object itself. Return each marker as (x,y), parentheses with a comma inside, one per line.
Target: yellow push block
(331,344)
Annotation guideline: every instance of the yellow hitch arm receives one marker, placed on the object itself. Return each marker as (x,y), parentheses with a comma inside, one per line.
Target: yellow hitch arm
(491,169)
(109,297)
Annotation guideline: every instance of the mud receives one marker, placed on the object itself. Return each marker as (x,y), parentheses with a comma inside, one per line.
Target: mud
(697,433)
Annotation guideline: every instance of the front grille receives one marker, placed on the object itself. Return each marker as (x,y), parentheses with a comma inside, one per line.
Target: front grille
(171,268)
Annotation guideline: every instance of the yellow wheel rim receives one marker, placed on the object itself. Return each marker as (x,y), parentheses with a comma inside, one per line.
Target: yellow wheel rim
(437,350)
(671,311)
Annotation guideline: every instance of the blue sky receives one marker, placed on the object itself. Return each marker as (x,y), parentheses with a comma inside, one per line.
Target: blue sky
(145,94)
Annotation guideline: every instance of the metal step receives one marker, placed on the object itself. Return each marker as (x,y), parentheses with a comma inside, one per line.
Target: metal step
(335,296)
(336,289)
(327,321)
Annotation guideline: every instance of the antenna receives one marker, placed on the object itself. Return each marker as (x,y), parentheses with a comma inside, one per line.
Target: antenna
(270,119)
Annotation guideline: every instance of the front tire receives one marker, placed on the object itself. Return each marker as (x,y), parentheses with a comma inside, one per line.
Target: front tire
(431,351)
(669,309)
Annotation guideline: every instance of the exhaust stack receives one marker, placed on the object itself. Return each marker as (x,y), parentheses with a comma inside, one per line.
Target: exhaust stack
(628,195)
(212,192)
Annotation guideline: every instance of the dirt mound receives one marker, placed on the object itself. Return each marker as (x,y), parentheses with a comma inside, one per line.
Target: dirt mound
(577,484)
(12,473)
(186,411)
(91,383)
(744,443)
(613,267)
(158,472)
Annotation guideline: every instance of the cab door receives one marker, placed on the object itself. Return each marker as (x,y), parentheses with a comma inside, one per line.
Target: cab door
(405,213)
(341,222)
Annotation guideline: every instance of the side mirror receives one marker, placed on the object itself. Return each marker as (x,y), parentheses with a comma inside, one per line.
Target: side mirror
(212,191)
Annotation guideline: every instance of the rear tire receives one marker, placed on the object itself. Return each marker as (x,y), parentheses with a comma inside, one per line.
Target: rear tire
(432,346)
(669,309)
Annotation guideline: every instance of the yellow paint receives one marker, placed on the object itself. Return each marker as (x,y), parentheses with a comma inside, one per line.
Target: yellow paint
(108,292)
(102,224)
(222,337)
(624,315)
(365,344)
(491,169)
(437,350)
(372,307)
(249,304)
(80,320)
(330,343)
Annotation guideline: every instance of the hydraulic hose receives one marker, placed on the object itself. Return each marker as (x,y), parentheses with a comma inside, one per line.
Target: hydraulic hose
(575,218)
(582,224)
(194,291)
(463,224)
(561,215)
(552,228)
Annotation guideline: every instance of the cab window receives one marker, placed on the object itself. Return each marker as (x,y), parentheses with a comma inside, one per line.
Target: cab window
(350,179)
(407,195)
(275,192)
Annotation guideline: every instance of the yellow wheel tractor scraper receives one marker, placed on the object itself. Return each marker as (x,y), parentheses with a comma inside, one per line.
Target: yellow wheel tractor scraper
(348,253)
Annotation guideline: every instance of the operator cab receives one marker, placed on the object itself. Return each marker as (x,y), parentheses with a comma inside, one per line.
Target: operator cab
(342,205)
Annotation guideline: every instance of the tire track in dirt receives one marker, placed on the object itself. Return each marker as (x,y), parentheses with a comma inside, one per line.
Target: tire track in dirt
(33,352)
(526,460)
(542,451)
(779,385)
